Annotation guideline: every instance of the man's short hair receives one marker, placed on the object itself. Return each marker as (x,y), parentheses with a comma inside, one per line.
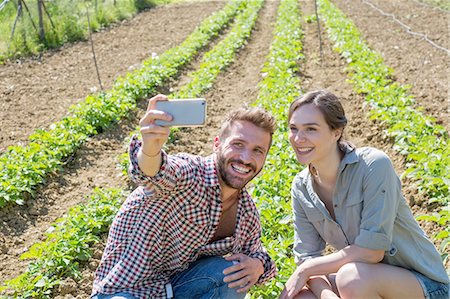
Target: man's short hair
(255,115)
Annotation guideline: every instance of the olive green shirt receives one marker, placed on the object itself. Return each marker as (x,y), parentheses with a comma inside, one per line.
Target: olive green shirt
(370,212)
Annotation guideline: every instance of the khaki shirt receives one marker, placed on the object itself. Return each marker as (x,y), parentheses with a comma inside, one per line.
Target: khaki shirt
(370,212)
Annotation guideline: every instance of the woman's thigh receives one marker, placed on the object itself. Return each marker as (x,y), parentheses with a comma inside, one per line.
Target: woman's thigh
(377,281)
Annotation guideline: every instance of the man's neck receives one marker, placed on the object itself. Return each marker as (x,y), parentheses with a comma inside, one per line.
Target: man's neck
(229,197)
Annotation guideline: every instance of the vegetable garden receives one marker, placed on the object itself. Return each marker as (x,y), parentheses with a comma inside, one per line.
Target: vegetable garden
(63,143)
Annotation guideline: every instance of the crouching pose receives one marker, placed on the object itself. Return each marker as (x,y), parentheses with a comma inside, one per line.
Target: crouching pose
(191,229)
(351,199)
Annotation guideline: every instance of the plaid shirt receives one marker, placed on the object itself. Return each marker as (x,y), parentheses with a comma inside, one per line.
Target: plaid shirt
(167,223)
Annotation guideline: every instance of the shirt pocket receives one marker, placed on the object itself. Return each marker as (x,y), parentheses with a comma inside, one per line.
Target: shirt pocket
(195,225)
(354,205)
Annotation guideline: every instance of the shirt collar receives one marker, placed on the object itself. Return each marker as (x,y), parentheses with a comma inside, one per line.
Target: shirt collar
(350,157)
(211,173)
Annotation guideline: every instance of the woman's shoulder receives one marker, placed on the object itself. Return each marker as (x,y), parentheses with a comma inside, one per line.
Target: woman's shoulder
(373,158)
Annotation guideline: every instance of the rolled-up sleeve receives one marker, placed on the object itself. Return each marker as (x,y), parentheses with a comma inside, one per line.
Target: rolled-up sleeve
(176,171)
(381,187)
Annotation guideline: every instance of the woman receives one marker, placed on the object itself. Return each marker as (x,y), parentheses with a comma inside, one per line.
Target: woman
(350,198)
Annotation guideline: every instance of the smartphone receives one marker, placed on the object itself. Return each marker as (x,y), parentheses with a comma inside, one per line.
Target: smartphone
(185,112)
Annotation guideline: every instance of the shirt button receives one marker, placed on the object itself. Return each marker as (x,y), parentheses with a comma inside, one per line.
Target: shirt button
(335,205)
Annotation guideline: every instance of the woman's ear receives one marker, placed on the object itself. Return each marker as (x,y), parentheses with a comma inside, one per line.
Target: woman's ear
(338,133)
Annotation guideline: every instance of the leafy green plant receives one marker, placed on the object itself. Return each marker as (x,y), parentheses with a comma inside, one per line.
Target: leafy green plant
(213,62)
(423,143)
(67,245)
(24,168)
(68,23)
(280,86)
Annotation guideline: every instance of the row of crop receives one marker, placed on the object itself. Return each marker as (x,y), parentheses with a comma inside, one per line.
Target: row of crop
(280,86)
(67,245)
(24,168)
(63,21)
(424,144)
(71,241)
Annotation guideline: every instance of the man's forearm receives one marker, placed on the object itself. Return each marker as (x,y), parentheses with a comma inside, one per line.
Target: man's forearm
(148,163)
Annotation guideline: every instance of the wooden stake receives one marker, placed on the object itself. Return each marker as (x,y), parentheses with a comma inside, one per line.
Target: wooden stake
(93,52)
(41,22)
(319,33)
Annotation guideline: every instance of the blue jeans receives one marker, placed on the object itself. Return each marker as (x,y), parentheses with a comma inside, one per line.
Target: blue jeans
(432,289)
(121,295)
(204,280)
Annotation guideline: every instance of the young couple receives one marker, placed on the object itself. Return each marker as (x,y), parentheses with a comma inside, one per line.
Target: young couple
(191,229)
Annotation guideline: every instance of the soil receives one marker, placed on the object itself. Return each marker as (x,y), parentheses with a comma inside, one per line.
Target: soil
(37,92)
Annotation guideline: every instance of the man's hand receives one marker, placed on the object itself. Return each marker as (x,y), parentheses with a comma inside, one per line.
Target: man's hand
(294,284)
(244,274)
(153,137)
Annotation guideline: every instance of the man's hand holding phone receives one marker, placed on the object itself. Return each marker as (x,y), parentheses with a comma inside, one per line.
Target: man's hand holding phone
(162,114)
(153,137)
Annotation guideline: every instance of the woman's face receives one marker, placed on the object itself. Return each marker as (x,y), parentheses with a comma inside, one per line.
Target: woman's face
(310,136)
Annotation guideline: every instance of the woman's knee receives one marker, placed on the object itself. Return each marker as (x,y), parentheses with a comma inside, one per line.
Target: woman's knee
(353,280)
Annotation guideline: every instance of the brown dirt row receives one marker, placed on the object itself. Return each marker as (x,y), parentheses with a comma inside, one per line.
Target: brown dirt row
(35,93)
(415,61)
(234,88)
(94,164)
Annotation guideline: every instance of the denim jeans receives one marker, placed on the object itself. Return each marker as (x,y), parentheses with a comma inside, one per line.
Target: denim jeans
(204,280)
(432,289)
(114,296)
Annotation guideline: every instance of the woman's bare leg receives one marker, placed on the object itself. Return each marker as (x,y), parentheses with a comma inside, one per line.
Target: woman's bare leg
(363,280)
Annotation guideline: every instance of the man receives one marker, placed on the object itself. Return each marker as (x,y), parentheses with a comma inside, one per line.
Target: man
(190,230)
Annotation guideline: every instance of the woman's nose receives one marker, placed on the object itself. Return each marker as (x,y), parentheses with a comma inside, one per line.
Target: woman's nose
(300,136)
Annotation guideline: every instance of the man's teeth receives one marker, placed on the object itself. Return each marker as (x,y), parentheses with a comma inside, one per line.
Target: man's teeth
(241,169)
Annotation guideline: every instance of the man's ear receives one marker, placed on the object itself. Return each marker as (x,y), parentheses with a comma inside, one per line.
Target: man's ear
(216,144)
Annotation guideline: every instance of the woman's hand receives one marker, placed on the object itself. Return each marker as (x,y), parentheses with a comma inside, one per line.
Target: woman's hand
(295,283)
(244,274)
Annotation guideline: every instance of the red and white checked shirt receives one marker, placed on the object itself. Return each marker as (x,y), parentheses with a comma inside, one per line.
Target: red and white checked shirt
(167,222)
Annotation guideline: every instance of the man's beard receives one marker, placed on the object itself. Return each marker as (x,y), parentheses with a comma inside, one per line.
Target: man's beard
(229,179)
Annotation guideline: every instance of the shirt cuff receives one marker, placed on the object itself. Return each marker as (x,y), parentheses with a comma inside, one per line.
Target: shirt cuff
(134,171)
(269,267)
(372,240)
